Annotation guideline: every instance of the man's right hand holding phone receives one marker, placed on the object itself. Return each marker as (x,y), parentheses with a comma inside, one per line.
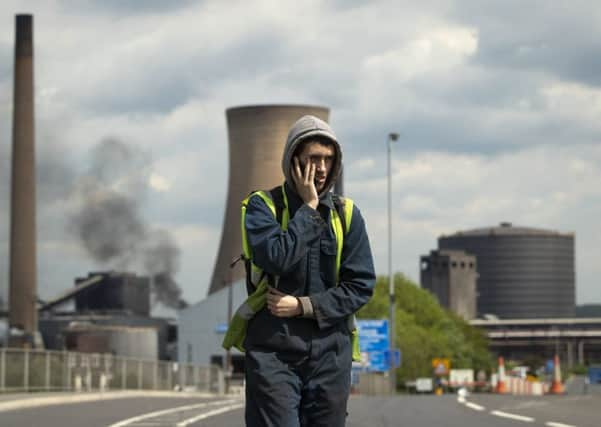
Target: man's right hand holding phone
(305,183)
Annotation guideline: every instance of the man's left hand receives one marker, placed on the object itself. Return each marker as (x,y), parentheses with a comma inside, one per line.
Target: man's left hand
(282,305)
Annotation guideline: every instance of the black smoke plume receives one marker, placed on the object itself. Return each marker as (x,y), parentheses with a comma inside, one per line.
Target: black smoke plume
(111,227)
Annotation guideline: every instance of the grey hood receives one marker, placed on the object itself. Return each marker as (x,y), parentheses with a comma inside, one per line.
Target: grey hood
(307,127)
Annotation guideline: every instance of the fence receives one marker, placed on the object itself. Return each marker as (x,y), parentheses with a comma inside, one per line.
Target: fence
(40,370)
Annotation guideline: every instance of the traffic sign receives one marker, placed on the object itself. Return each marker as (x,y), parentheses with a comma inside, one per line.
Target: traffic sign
(221,328)
(373,340)
(441,366)
(396,357)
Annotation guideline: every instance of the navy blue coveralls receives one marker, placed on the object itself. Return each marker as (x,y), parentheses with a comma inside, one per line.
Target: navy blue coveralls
(298,369)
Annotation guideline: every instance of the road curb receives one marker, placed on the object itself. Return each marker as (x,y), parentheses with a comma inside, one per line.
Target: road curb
(34,402)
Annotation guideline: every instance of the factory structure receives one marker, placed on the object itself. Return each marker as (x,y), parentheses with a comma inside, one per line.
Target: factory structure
(110,311)
(520,272)
(518,284)
(23,271)
(111,314)
(451,276)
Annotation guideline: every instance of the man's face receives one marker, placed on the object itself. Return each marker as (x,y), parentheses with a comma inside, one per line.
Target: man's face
(322,156)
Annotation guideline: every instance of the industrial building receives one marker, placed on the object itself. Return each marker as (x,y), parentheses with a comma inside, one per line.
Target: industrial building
(524,295)
(202,326)
(575,340)
(522,272)
(124,292)
(111,315)
(451,277)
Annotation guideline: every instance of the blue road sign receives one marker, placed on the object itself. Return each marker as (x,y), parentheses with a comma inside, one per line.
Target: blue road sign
(373,340)
(221,328)
(396,357)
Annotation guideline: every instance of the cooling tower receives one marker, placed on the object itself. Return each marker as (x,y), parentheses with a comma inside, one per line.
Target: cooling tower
(23,294)
(523,272)
(257,135)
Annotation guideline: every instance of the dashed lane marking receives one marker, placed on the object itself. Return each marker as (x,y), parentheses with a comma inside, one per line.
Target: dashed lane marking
(474,406)
(163,412)
(512,416)
(210,414)
(477,407)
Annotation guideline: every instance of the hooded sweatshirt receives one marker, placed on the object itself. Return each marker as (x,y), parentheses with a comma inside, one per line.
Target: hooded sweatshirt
(311,127)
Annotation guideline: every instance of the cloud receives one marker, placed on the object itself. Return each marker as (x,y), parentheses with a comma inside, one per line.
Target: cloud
(497,106)
(439,193)
(550,39)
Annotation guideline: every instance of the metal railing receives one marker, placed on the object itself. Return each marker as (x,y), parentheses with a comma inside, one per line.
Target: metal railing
(24,370)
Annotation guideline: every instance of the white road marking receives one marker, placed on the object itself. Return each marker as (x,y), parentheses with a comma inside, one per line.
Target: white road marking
(552,424)
(477,407)
(512,416)
(132,420)
(209,414)
(474,406)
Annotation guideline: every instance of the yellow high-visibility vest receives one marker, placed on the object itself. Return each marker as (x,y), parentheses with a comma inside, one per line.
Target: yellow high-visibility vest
(236,332)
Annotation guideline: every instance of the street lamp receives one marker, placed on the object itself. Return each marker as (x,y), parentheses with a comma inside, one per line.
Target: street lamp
(392,137)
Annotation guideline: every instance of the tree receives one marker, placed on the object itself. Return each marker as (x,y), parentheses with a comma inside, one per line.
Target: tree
(424,330)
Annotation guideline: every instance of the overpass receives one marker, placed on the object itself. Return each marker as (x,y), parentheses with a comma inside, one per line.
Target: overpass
(575,340)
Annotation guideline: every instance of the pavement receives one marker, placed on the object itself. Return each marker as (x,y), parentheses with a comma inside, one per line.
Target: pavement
(145,408)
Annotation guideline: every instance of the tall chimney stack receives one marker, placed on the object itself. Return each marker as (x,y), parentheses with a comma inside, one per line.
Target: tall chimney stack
(23,289)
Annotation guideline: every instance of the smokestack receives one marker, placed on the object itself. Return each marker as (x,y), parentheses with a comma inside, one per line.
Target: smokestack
(257,136)
(23,290)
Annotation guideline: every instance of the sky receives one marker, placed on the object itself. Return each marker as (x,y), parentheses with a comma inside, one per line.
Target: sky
(497,104)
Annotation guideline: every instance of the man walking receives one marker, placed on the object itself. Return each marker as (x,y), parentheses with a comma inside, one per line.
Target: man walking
(298,346)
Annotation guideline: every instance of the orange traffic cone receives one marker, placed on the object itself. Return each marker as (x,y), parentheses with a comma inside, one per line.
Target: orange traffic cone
(501,386)
(556,385)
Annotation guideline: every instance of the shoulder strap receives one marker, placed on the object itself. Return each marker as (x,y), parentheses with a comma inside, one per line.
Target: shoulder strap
(277,196)
(341,224)
(344,208)
(270,204)
(277,202)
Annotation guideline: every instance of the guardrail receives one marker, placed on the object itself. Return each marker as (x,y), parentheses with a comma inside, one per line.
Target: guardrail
(23,370)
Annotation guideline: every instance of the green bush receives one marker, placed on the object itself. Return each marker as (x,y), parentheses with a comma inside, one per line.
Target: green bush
(424,330)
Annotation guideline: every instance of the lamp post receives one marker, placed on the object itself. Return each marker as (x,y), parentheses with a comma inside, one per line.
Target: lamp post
(391,138)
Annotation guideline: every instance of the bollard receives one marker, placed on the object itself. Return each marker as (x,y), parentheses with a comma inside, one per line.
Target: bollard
(556,385)
(501,386)
(102,382)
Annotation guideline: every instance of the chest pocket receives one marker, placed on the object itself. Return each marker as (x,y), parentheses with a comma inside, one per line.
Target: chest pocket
(327,247)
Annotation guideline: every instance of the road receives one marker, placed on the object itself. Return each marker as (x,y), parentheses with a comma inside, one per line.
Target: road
(419,411)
